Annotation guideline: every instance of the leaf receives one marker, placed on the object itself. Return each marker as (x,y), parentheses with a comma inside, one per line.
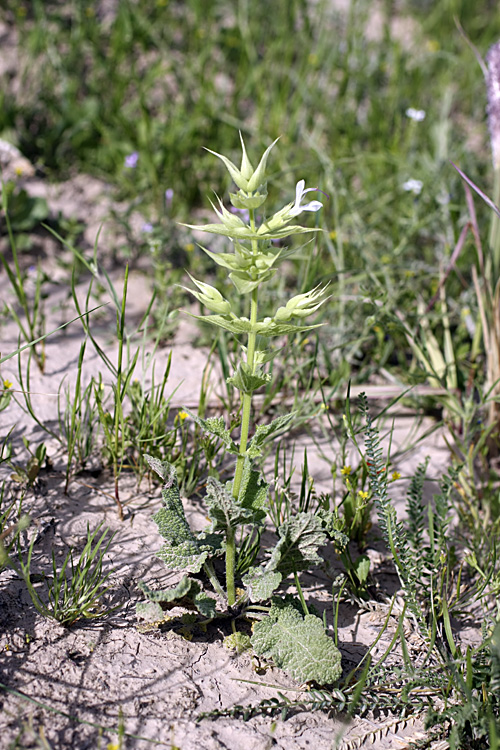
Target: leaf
(205,604)
(330,522)
(241,325)
(149,611)
(244,283)
(297,548)
(253,492)
(362,568)
(264,431)
(297,644)
(223,510)
(185,586)
(215,426)
(247,381)
(261,584)
(187,592)
(182,550)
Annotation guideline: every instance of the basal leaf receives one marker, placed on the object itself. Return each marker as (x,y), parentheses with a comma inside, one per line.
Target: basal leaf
(149,611)
(205,604)
(261,584)
(297,644)
(182,550)
(185,586)
(297,548)
(187,592)
(188,555)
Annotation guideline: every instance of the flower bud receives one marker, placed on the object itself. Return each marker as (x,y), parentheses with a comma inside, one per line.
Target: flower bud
(210,297)
(301,305)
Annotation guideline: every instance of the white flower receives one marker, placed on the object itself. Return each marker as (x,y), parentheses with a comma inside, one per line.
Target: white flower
(413,186)
(415,114)
(299,194)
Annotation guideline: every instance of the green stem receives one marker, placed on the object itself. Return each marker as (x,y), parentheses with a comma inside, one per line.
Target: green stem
(245,429)
(301,595)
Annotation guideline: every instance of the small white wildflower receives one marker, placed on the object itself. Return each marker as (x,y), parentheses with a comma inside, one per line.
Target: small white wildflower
(300,191)
(415,114)
(413,186)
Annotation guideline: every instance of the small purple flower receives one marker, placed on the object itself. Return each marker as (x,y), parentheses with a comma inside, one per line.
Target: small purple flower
(131,160)
(147,227)
(169,194)
(243,212)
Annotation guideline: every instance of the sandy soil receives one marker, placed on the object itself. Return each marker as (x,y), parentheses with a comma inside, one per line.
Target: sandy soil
(78,685)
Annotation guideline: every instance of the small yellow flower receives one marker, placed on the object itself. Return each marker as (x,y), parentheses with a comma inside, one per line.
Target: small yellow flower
(346,470)
(333,235)
(113,746)
(183,415)
(324,406)
(395,475)
(313,59)
(385,259)
(7,384)
(189,247)
(432,45)
(363,495)
(19,171)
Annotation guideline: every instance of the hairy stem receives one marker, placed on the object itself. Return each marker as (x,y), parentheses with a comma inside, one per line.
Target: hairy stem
(245,429)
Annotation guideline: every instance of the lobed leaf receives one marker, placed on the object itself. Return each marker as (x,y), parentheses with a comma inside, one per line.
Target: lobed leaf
(261,584)
(182,550)
(297,548)
(215,426)
(263,431)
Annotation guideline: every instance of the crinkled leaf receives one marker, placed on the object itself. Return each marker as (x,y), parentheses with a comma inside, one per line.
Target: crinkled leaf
(253,492)
(223,510)
(226,512)
(149,611)
(204,604)
(263,431)
(297,548)
(247,381)
(331,523)
(215,426)
(188,555)
(185,587)
(187,592)
(261,584)
(297,644)
(182,550)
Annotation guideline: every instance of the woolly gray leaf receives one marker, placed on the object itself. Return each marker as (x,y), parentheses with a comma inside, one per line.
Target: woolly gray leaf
(297,644)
